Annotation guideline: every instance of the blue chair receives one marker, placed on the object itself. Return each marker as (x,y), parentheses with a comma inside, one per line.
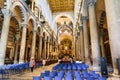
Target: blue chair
(58,78)
(68,78)
(79,78)
(96,76)
(102,78)
(36,78)
(47,72)
(90,78)
(92,72)
(52,74)
(47,78)
(76,74)
(74,67)
(61,75)
(42,75)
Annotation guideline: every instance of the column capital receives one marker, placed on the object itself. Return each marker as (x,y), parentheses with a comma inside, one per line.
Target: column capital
(34,31)
(84,18)
(91,2)
(41,36)
(17,37)
(48,41)
(101,32)
(45,40)
(7,12)
(80,27)
(24,25)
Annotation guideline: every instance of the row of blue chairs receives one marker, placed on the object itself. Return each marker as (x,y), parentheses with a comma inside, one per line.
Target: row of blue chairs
(12,68)
(71,66)
(6,70)
(69,75)
(17,67)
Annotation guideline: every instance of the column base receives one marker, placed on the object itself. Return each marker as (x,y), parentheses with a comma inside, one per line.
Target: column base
(96,68)
(88,63)
(15,62)
(115,71)
(1,62)
(21,61)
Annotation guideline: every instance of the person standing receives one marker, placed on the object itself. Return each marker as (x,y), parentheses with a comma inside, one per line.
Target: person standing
(44,62)
(32,64)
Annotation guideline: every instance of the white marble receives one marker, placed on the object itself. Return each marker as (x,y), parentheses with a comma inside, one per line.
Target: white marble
(113,20)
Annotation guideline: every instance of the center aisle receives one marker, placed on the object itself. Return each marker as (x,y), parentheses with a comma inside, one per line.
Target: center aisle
(28,75)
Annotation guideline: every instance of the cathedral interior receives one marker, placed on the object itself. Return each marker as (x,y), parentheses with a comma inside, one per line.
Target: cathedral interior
(60,32)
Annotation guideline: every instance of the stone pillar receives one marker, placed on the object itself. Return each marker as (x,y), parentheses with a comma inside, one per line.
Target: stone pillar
(48,44)
(85,33)
(4,34)
(81,43)
(16,50)
(79,48)
(33,45)
(76,49)
(113,20)
(73,46)
(40,47)
(94,36)
(86,40)
(50,49)
(11,53)
(26,51)
(102,42)
(23,42)
(44,52)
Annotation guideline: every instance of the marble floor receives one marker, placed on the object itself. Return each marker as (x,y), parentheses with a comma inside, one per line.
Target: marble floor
(28,75)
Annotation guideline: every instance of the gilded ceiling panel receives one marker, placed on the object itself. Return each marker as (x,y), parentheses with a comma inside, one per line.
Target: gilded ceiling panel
(61,5)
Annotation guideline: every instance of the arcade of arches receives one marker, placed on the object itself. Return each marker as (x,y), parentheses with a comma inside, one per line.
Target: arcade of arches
(54,29)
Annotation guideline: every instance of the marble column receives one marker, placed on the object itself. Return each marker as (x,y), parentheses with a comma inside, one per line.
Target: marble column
(48,53)
(16,50)
(50,49)
(86,40)
(79,47)
(113,20)
(26,51)
(11,53)
(33,45)
(102,43)
(73,46)
(44,48)
(23,43)
(4,34)
(40,47)
(81,43)
(94,36)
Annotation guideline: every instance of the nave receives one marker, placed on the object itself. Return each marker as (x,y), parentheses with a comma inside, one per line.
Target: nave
(27,75)
(35,31)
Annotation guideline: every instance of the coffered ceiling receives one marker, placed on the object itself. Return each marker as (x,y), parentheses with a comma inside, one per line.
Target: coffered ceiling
(61,5)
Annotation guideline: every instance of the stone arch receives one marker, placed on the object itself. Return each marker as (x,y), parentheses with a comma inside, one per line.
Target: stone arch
(63,26)
(62,14)
(23,11)
(38,29)
(17,25)
(33,21)
(58,16)
(14,38)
